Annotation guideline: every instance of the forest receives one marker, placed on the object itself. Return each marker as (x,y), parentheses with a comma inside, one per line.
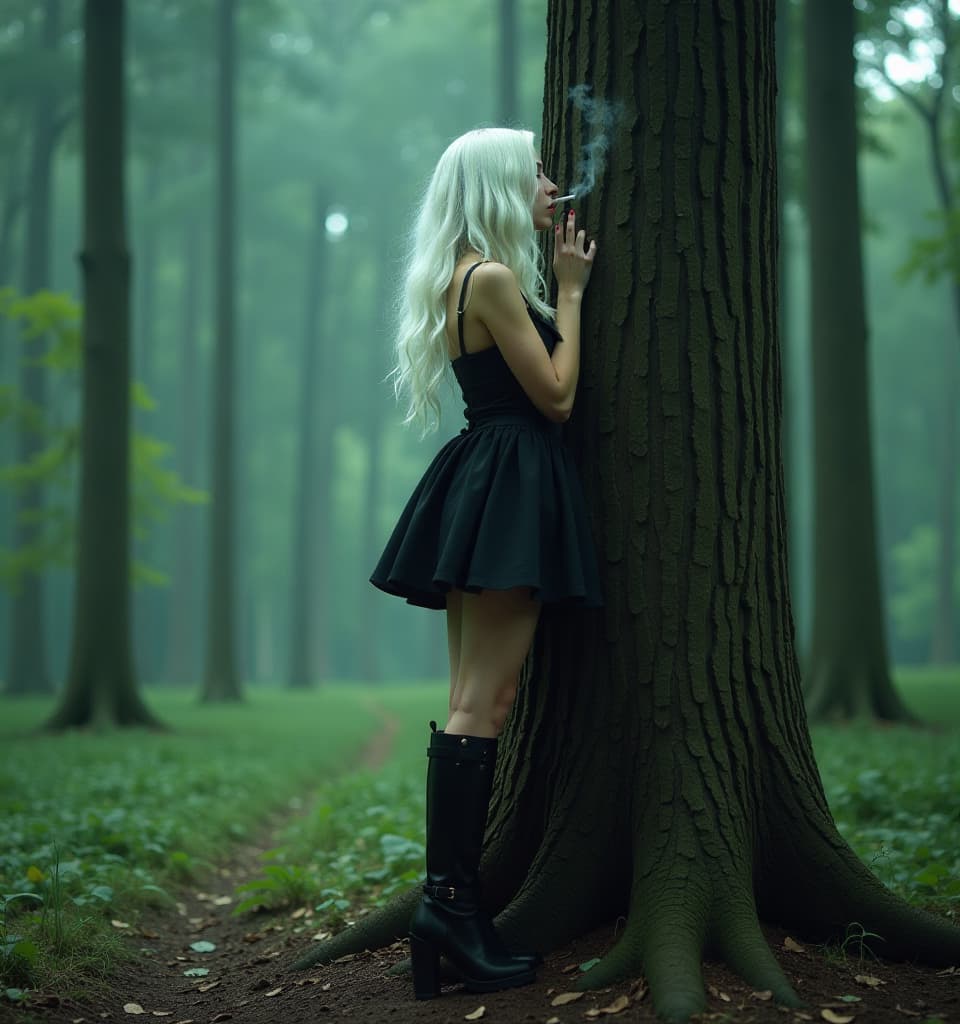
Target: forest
(205,210)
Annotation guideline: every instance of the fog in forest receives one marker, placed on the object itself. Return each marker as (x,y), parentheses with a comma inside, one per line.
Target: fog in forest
(341,112)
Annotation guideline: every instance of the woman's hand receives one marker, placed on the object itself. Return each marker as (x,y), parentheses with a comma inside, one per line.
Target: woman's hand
(572,259)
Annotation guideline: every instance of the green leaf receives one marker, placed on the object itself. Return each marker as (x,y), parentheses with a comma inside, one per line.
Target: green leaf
(202,946)
(196,972)
(590,964)
(13,994)
(26,950)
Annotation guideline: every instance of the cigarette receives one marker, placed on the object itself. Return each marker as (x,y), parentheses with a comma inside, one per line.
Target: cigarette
(563,199)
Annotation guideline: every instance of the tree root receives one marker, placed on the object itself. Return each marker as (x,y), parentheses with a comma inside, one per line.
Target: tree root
(374,931)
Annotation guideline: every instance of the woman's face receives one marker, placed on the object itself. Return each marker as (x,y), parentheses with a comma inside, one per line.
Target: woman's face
(543,207)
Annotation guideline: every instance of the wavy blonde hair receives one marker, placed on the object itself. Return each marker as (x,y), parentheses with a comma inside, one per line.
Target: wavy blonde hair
(480,197)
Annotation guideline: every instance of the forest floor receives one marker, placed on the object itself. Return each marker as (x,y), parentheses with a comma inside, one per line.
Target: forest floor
(245,977)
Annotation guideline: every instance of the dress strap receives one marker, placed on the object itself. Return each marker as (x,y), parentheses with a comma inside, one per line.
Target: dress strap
(463,295)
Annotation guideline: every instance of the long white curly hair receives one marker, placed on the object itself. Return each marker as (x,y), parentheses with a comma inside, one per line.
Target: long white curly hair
(480,197)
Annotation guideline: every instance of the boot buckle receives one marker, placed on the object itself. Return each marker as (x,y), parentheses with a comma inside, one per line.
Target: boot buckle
(446,892)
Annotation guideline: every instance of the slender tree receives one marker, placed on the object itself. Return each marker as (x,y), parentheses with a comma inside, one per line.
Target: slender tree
(184,598)
(848,674)
(657,765)
(101,688)
(222,682)
(27,669)
(310,554)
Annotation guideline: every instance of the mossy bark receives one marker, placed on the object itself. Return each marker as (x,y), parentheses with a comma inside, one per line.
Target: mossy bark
(657,765)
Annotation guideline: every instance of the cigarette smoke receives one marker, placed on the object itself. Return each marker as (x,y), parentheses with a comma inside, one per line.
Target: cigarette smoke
(601,117)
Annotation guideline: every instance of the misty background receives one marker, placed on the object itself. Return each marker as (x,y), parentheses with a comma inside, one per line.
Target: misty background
(341,114)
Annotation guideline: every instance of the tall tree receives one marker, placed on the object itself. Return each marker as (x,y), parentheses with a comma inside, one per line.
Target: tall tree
(309,556)
(101,687)
(657,765)
(848,674)
(221,681)
(27,669)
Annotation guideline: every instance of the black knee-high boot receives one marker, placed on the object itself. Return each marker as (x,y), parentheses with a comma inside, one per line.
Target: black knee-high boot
(449,920)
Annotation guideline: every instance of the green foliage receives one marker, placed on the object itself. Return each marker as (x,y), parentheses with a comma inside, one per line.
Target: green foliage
(937,254)
(893,795)
(913,601)
(96,826)
(52,319)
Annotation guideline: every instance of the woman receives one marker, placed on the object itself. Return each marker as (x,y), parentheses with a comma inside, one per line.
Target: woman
(497,526)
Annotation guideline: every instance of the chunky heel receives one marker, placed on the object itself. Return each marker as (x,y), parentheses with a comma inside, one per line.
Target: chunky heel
(425,960)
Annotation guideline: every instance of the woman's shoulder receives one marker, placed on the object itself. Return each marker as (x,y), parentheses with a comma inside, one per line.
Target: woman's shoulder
(497,283)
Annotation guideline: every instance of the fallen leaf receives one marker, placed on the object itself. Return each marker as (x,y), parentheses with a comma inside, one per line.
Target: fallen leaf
(346,958)
(554,1020)
(202,946)
(566,997)
(162,1013)
(835,1018)
(868,979)
(793,946)
(477,1013)
(207,985)
(717,994)
(133,1008)
(320,936)
(850,999)
(298,913)
(325,988)
(186,1020)
(588,964)
(196,972)
(949,970)
(147,934)
(78,1020)
(568,968)
(120,924)
(908,1013)
(223,901)
(273,992)
(617,1006)
(764,995)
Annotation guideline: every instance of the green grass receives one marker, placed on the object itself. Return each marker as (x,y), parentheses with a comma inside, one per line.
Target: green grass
(99,825)
(120,809)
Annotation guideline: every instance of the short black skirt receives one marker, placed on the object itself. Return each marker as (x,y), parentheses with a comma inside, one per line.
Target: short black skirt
(500,506)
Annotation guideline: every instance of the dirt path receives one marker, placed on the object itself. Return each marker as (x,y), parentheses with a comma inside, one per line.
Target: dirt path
(248,981)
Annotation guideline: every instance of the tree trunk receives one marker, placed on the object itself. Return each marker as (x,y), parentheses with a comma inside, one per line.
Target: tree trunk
(507,63)
(221,682)
(184,592)
(101,688)
(942,647)
(848,674)
(310,543)
(369,637)
(657,764)
(27,668)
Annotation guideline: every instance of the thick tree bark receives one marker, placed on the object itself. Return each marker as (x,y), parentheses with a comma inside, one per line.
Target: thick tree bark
(101,688)
(27,669)
(309,629)
(848,674)
(222,682)
(657,764)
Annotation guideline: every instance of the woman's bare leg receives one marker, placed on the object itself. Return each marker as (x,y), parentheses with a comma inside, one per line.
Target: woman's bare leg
(454,617)
(496,631)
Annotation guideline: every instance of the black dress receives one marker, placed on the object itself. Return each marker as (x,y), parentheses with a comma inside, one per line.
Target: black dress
(500,505)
